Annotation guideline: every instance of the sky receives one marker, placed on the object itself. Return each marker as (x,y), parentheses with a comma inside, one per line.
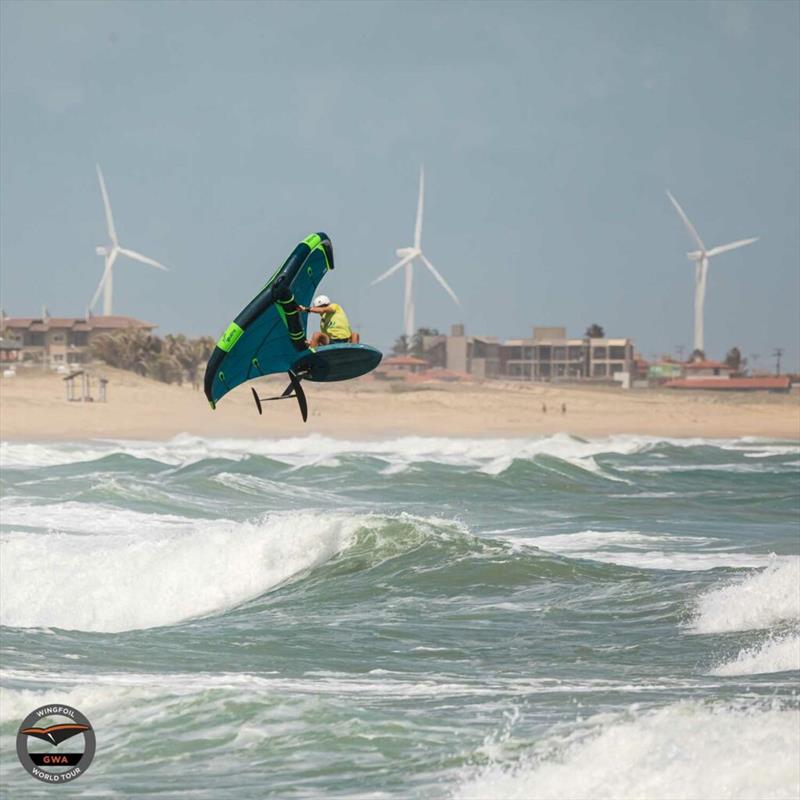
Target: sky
(549,132)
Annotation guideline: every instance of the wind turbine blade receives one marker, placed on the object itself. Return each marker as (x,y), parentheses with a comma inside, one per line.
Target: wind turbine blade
(393,269)
(724,248)
(420,204)
(144,259)
(441,280)
(682,214)
(112,231)
(96,295)
(109,264)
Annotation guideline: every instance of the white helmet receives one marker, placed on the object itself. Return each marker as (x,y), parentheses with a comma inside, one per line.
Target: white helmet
(321,300)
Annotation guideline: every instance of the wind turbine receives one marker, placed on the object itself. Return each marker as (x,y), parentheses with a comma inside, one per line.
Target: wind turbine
(110,253)
(407,257)
(701,258)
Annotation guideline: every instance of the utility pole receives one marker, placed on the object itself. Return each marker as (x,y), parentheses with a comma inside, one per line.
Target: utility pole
(679,350)
(777,352)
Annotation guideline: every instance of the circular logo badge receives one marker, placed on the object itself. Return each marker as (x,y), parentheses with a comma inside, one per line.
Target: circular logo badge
(39,741)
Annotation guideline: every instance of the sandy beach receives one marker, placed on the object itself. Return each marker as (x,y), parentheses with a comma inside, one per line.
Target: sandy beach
(34,407)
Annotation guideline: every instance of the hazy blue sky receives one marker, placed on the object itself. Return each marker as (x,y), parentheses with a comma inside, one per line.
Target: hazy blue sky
(549,131)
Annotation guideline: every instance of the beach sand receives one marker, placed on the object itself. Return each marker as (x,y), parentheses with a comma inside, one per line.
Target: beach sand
(33,406)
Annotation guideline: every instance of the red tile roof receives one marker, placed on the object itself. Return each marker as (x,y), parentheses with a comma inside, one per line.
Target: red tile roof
(99,323)
(76,323)
(708,364)
(778,382)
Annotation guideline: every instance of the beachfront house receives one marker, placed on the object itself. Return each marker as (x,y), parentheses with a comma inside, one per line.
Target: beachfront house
(548,355)
(10,352)
(61,341)
(706,368)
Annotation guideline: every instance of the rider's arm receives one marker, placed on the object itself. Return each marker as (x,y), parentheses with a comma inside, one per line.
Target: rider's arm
(317,310)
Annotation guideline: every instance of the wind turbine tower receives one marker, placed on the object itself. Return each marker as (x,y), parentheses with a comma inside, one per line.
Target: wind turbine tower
(408,255)
(701,259)
(110,253)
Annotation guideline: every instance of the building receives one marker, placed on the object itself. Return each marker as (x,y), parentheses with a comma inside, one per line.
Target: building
(57,341)
(548,355)
(665,370)
(609,358)
(10,352)
(478,356)
(705,368)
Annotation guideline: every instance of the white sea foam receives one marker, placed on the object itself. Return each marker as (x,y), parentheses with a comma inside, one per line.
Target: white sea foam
(743,468)
(777,654)
(98,688)
(491,455)
(142,570)
(583,540)
(73,516)
(760,600)
(633,550)
(263,487)
(683,751)
(23,454)
(91,696)
(754,449)
(679,562)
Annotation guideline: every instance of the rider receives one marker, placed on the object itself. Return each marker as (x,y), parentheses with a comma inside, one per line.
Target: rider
(334,327)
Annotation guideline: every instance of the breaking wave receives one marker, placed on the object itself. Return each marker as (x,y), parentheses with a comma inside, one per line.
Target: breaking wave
(159,571)
(760,600)
(492,456)
(777,654)
(682,751)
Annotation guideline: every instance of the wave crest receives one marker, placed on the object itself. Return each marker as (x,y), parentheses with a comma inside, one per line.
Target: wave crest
(687,750)
(777,654)
(760,600)
(149,577)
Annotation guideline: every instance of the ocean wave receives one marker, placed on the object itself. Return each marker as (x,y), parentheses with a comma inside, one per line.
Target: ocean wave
(22,690)
(634,550)
(678,562)
(687,750)
(91,518)
(94,567)
(581,540)
(760,600)
(264,487)
(777,654)
(147,575)
(758,468)
(492,456)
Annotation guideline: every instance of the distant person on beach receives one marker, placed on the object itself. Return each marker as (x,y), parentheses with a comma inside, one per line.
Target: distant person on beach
(334,327)
(563,408)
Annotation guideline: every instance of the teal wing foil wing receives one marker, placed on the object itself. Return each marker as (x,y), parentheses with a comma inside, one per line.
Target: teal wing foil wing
(269,333)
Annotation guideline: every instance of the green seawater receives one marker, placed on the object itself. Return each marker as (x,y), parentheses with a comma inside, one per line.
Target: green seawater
(410,618)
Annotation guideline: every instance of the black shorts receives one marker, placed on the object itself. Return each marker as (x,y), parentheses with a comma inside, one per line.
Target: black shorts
(338,341)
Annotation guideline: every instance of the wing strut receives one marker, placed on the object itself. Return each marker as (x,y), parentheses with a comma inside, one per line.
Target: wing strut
(294,389)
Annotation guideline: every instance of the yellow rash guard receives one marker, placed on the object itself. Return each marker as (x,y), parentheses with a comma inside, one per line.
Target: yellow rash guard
(335,323)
